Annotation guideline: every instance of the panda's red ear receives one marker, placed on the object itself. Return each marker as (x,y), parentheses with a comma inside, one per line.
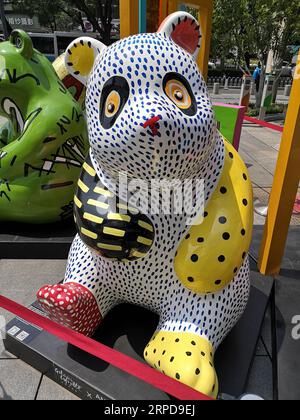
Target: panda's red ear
(184,30)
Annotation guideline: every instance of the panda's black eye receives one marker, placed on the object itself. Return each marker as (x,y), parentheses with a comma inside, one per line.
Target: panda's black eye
(179,91)
(115,94)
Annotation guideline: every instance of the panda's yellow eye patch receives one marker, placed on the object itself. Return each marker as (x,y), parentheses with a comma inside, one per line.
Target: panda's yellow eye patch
(112,105)
(178,94)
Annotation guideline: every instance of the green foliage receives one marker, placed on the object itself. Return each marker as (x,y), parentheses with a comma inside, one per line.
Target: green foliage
(50,13)
(273,110)
(194,12)
(254,27)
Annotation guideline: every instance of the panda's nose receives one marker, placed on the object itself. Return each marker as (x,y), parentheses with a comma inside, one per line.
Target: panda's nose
(152,124)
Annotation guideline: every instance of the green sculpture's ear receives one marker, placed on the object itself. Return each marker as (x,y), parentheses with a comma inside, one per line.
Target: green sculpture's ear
(22,41)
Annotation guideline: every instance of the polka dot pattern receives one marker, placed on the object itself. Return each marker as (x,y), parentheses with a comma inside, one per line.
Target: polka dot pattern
(71,305)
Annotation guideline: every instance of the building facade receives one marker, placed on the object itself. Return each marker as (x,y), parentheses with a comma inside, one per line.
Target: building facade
(19,20)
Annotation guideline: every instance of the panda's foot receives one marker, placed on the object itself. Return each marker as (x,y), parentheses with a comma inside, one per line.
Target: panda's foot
(71,305)
(185,357)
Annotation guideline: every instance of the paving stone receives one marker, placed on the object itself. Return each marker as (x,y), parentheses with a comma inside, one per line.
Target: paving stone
(3,353)
(269,137)
(264,155)
(261,378)
(260,177)
(18,381)
(50,390)
(20,280)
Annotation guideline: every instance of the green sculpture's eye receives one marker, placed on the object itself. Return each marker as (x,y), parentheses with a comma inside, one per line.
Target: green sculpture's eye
(23,43)
(17,41)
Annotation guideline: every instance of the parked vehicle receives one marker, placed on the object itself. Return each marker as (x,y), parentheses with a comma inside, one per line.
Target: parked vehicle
(53,45)
(287,69)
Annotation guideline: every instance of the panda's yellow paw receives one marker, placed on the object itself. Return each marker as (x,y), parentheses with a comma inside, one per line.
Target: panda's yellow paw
(185,357)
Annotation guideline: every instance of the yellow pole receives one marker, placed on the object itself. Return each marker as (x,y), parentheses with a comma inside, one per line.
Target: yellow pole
(172,6)
(163,10)
(285,187)
(205,19)
(129,15)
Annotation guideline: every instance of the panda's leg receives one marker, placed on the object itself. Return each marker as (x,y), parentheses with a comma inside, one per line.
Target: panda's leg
(82,300)
(191,330)
(184,356)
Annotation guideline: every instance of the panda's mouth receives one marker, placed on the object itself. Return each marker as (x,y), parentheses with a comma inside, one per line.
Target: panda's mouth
(152,123)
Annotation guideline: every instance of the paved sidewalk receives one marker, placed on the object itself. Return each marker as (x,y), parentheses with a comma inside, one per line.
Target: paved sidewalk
(19,281)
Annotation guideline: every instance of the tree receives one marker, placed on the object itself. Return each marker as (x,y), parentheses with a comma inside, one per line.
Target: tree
(68,14)
(98,13)
(52,14)
(254,27)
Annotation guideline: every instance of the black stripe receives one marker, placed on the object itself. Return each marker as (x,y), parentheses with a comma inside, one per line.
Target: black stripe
(55,186)
(13,161)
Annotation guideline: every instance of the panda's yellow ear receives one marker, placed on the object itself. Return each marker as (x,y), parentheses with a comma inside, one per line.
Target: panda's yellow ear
(81,56)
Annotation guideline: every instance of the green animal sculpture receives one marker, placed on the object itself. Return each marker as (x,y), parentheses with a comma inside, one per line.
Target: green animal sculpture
(44,145)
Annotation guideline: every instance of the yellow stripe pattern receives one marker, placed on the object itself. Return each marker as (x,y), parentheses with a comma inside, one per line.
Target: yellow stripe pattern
(89,169)
(144,241)
(138,254)
(104,228)
(126,208)
(89,234)
(104,192)
(114,232)
(146,226)
(92,218)
(119,217)
(83,187)
(77,202)
(99,204)
(109,247)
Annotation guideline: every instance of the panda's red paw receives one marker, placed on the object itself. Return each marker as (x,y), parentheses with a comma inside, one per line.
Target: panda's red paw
(71,305)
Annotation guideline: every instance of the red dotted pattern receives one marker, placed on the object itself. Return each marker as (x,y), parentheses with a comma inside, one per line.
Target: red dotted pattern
(71,305)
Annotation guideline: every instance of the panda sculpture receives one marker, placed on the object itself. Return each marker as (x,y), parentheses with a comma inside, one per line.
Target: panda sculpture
(150,117)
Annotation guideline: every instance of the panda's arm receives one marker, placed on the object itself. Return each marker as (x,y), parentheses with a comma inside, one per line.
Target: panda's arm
(106,224)
(212,253)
